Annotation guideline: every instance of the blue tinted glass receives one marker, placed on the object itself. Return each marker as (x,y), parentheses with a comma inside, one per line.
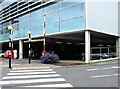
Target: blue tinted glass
(51,28)
(25,17)
(4,37)
(24,24)
(20,33)
(66,3)
(37,13)
(5,24)
(51,17)
(26,31)
(5,30)
(0,26)
(73,24)
(0,6)
(37,21)
(73,11)
(5,4)
(52,7)
(37,30)
(15,34)
(16,26)
(0,29)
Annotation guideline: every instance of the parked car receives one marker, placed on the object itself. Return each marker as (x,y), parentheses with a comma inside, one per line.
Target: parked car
(111,55)
(96,56)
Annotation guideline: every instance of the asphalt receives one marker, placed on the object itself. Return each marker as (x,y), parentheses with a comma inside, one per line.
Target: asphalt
(78,75)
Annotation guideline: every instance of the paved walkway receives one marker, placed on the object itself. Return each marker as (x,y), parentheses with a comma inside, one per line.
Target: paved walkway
(36,64)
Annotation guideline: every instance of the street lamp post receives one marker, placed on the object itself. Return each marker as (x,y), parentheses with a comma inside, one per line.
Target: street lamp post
(10,45)
(29,33)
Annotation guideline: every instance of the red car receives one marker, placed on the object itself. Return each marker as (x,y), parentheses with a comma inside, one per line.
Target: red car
(7,53)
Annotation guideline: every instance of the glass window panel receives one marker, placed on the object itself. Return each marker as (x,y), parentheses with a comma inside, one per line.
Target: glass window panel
(66,3)
(37,21)
(20,33)
(26,31)
(25,17)
(24,24)
(73,24)
(73,11)
(5,37)
(37,30)
(5,30)
(0,6)
(5,4)
(37,13)
(15,34)
(0,26)
(5,24)
(52,7)
(0,31)
(52,28)
(16,26)
(51,17)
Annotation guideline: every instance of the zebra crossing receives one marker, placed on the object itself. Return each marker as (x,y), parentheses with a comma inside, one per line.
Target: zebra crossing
(33,78)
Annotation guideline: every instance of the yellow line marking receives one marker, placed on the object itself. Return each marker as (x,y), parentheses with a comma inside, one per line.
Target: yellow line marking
(32,67)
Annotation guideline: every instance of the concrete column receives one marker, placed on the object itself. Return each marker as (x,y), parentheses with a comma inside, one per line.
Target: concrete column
(118,47)
(87,47)
(20,49)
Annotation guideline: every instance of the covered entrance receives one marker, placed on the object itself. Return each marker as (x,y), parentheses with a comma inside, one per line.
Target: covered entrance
(74,45)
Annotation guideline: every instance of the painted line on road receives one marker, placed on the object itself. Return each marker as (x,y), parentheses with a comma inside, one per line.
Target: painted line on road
(31,67)
(101,76)
(13,71)
(31,81)
(52,85)
(8,65)
(114,67)
(31,76)
(49,72)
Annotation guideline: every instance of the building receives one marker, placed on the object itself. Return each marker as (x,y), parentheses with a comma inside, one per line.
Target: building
(72,27)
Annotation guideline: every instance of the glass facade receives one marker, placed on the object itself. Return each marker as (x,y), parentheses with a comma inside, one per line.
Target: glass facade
(59,17)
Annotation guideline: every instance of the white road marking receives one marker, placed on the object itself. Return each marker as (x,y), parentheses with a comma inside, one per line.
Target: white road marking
(31,70)
(52,85)
(34,76)
(2,65)
(31,73)
(30,76)
(114,67)
(101,76)
(1,62)
(31,81)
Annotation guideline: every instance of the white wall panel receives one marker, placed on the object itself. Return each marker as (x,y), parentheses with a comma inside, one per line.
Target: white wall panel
(102,16)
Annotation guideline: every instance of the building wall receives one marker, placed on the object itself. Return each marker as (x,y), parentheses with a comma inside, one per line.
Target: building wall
(102,16)
(62,16)
(119,18)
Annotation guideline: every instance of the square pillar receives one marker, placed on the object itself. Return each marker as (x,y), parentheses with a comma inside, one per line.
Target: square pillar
(87,46)
(118,47)
(20,49)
